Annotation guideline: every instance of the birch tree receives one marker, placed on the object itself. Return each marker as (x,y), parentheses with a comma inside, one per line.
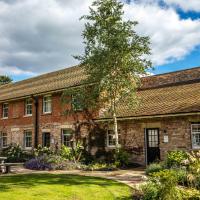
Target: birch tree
(114,56)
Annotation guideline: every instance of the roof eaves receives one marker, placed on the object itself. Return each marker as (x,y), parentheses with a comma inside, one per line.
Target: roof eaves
(149,116)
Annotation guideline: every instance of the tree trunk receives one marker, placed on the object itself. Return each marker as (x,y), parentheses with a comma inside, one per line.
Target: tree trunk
(115,125)
(115,128)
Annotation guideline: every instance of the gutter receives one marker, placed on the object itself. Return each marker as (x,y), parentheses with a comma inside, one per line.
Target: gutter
(40,93)
(36,122)
(149,116)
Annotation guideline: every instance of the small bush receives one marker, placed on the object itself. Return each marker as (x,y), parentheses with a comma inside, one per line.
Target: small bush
(181,175)
(121,157)
(38,163)
(175,158)
(100,167)
(40,151)
(150,191)
(193,167)
(66,152)
(152,168)
(46,162)
(15,153)
(189,194)
(56,162)
(168,185)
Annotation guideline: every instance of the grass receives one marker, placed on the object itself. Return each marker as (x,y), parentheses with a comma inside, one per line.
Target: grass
(61,187)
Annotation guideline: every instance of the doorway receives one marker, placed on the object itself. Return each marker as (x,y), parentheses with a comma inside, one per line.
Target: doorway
(152,144)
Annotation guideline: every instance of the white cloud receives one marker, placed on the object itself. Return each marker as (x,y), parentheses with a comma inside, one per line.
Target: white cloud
(39,36)
(172,38)
(186,5)
(7,70)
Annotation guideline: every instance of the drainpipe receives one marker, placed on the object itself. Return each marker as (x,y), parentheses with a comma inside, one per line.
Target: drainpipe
(145,146)
(36,122)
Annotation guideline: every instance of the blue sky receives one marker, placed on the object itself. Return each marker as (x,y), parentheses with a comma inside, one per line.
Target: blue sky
(189,61)
(42,36)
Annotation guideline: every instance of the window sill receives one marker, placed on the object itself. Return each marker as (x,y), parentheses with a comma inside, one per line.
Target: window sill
(27,115)
(4,147)
(28,148)
(4,118)
(195,148)
(113,146)
(47,113)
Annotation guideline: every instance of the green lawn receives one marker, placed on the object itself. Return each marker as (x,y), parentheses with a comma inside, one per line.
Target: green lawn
(61,187)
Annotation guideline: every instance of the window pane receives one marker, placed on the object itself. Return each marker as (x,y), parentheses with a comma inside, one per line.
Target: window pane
(4,141)
(67,135)
(195,135)
(46,139)
(111,140)
(28,139)
(28,107)
(5,110)
(47,104)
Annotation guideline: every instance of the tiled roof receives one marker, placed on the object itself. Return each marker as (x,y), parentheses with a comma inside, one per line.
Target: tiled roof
(165,100)
(176,92)
(44,83)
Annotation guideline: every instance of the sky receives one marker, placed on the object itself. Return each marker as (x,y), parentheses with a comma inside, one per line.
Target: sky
(42,36)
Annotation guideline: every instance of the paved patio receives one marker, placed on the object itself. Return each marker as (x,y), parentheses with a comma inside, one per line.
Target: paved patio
(131,177)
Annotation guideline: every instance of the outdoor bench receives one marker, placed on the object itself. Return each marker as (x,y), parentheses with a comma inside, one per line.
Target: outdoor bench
(9,165)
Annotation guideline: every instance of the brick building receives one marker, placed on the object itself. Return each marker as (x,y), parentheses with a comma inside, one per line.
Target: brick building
(167,118)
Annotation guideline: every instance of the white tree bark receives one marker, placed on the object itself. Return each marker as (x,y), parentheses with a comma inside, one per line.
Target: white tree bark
(115,125)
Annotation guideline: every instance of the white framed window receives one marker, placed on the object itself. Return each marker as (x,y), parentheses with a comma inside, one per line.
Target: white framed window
(5,110)
(47,104)
(195,135)
(111,139)
(27,139)
(28,107)
(4,139)
(67,136)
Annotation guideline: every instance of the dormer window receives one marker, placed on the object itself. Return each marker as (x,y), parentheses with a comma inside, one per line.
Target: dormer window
(47,106)
(5,110)
(28,107)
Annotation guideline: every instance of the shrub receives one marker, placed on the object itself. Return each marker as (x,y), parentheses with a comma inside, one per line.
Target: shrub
(40,151)
(175,158)
(66,152)
(77,152)
(193,167)
(121,157)
(38,163)
(150,191)
(152,168)
(56,162)
(189,194)
(168,185)
(46,162)
(100,167)
(15,153)
(181,175)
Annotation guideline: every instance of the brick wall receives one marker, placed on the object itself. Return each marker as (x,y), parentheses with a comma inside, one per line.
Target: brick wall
(178,129)
(17,122)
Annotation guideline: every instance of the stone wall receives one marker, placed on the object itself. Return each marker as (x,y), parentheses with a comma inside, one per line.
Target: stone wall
(178,130)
